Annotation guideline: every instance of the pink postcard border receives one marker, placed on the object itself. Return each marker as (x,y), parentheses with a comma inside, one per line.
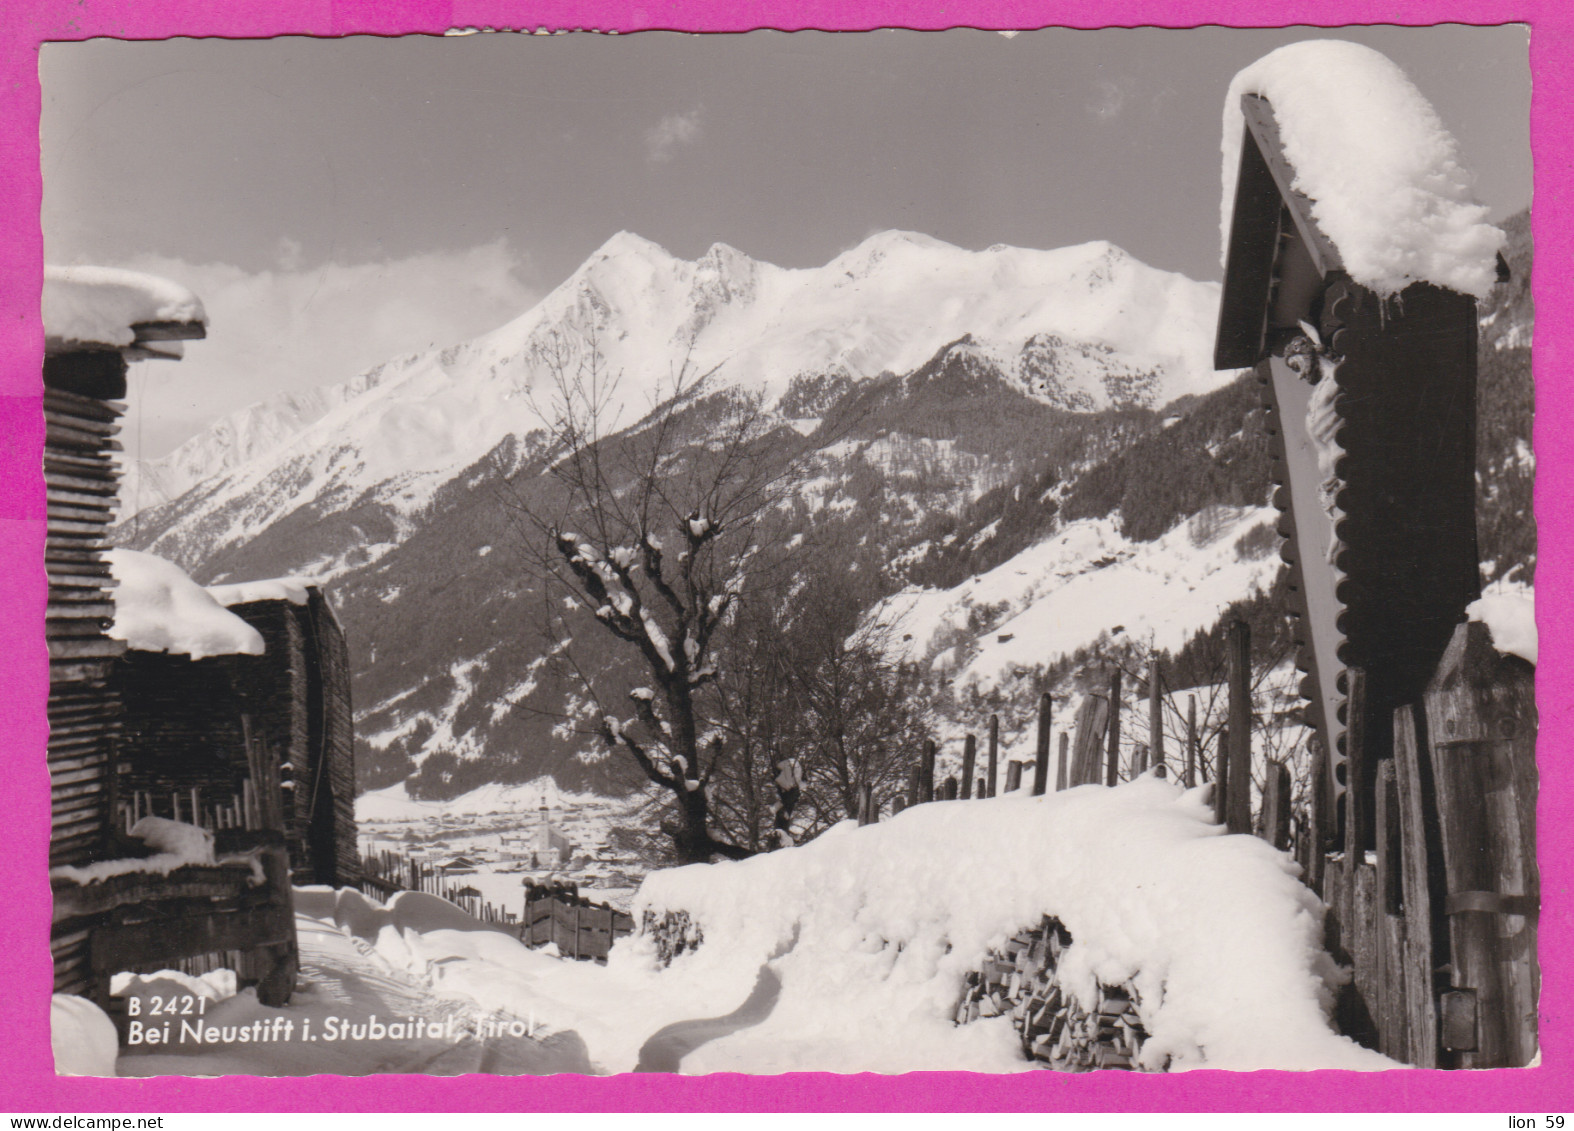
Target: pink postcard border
(27,1082)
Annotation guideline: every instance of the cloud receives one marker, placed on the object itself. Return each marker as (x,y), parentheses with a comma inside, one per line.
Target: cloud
(671,132)
(293,328)
(1107,100)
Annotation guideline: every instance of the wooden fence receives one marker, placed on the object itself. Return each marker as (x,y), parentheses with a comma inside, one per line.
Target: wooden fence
(388,873)
(554,913)
(580,929)
(1090,753)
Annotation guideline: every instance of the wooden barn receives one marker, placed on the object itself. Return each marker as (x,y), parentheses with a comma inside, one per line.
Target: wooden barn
(193,775)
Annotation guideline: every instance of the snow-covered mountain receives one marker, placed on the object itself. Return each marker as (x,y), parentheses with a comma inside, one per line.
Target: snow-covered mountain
(1082,328)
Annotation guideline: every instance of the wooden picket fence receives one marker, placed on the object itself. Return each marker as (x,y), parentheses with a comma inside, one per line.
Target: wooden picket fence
(386,873)
(1090,753)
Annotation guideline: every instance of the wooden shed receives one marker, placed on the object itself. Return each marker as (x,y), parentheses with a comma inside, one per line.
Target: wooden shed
(192,890)
(217,728)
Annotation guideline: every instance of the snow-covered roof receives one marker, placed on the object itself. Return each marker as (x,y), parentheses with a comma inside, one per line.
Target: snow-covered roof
(1381,170)
(159,609)
(295,590)
(99,306)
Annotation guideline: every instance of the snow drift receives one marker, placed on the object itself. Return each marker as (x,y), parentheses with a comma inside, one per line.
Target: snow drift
(1381,170)
(876,928)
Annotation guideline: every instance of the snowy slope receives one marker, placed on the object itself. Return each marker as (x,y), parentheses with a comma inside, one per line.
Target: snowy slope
(235,439)
(1085,581)
(1082,327)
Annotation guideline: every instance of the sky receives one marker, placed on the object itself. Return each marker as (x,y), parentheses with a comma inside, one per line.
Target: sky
(339,202)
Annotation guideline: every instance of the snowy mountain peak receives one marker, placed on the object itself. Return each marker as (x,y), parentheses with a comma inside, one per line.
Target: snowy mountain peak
(630,245)
(1080,328)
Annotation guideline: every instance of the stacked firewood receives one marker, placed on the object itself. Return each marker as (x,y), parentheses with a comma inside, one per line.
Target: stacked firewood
(1057,1029)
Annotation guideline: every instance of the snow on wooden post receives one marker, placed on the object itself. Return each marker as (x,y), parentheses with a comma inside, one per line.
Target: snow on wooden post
(1041,763)
(1276,806)
(969,759)
(1191,741)
(1063,764)
(1155,714)
(1013,776)
(1112,772)
(994,754)
(1239,812)
(926,791)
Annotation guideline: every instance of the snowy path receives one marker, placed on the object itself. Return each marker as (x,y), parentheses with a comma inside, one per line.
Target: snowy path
(343,977)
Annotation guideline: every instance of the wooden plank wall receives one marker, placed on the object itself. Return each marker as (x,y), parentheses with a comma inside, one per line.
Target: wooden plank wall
(278,695)
(81,478)
(337,745)
(1451,885)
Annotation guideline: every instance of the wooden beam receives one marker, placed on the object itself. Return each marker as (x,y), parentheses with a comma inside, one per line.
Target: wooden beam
(1264,129)
(1239,812)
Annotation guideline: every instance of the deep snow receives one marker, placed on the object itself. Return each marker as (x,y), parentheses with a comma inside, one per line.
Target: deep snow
(846,954)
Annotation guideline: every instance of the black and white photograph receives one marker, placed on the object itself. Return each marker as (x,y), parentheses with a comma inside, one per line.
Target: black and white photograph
(778,552)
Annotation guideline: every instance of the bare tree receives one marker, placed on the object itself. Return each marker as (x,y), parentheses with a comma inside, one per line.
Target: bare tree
(643,542)
(860,716)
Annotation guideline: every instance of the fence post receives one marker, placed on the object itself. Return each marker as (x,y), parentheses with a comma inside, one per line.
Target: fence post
(1041,765)
(1092,725)
(1112,772)
(1191,741)
(1221,777)
(866,804)
(950,788)
(994,754)
(1155,714)
(1013,776)
(913,778)
(1239,812)
(1417,854)
(926,783)
(1276,806)
(1064,766)
(969,760)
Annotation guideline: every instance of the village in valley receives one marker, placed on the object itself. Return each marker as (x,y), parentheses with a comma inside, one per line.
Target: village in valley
(919,659)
